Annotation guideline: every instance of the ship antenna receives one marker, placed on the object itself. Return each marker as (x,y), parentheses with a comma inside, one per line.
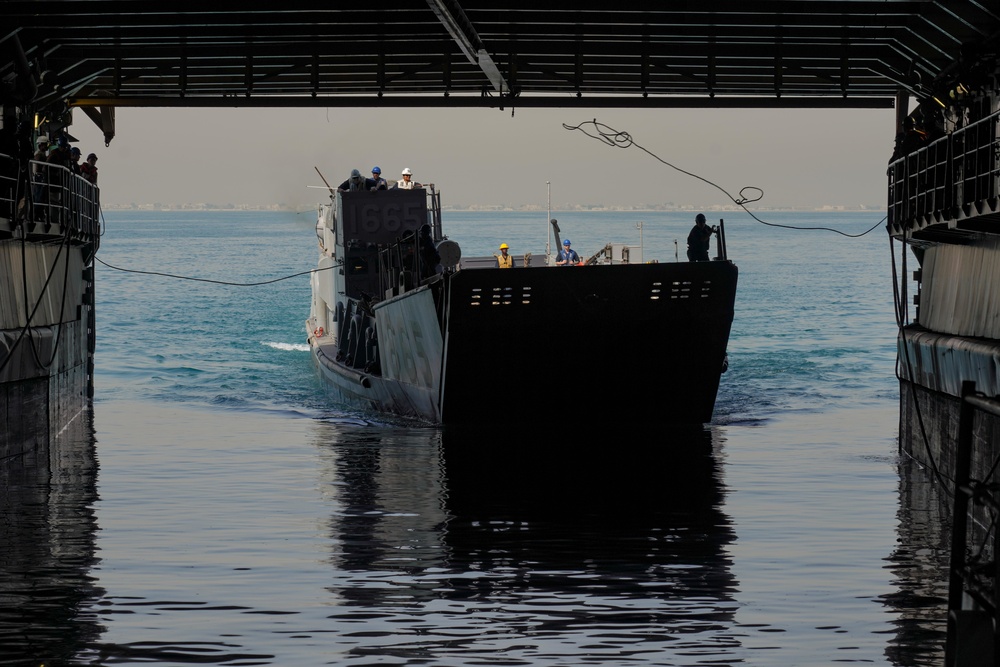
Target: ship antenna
(324,180)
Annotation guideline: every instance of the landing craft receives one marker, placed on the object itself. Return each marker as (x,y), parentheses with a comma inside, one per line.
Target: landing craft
(402,323)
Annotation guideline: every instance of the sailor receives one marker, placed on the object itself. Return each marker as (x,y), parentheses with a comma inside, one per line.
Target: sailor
(74,156)
(913,137)
(699,239)
(356,183)
(59,153)
(567,256)
(38,175)
(504,260)
(377,182)
(407,183)
(89,168)
(43,149)
(429,256)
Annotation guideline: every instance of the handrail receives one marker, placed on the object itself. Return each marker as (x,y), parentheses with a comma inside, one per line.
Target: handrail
(720,240)
(54,196)
(8,186)
(947,177)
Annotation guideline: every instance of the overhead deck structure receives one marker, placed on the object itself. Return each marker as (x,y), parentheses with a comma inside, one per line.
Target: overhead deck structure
(944,192)
(709,53)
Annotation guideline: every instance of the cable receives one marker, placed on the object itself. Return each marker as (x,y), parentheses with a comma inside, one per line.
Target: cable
(618,139)
(62,304)
(26,329)
(64,244)
(899,306)
(216,282)
(25,178)
(988,534)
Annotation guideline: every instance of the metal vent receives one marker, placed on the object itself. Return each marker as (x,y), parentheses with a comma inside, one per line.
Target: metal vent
(689,289)
(500,296)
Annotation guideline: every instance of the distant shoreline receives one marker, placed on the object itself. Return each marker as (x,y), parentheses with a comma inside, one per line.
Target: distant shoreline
(201,208)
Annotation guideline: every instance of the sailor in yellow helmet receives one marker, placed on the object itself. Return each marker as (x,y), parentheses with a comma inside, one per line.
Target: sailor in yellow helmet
(504,260)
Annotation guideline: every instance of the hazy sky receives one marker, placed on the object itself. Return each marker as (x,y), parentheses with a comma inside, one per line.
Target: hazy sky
(800,157)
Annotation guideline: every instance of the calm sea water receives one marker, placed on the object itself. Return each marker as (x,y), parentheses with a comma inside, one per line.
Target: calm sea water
(218,508)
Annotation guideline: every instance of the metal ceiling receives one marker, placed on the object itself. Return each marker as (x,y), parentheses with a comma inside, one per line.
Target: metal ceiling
(704,53)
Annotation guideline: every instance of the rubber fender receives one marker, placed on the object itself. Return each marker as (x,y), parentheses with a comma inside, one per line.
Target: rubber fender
(357,348)
(371,344)
(343,327)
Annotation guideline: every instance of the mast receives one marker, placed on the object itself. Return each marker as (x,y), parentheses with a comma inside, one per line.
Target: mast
(548,216)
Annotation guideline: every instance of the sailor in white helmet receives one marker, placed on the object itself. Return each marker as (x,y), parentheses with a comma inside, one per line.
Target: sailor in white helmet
(407,183)
(39,173)
(42,152)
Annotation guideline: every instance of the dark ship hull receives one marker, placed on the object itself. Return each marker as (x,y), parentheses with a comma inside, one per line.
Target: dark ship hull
(633,342)
(47,332)
(944,207)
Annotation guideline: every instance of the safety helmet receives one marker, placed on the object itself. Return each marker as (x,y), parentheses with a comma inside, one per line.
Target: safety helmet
(355,173)
(92,155)
(566,242)
(43,139)
(503,246)
(376,170)
(407,172)
(75,151)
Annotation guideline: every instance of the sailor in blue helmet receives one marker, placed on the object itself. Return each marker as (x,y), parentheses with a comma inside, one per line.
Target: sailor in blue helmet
(377,182)
(699,239)
(567,256)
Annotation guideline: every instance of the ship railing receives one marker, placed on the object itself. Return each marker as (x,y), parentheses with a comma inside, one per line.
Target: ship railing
(55,196)
(400,268)
(954,176)
(722,252)
(613,253)
(8,186)
(434,212)
(974,573)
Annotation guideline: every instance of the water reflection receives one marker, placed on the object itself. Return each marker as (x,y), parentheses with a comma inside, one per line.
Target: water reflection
(534,546)
(389,488)
(920,567)
(239,541)
(47,549)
